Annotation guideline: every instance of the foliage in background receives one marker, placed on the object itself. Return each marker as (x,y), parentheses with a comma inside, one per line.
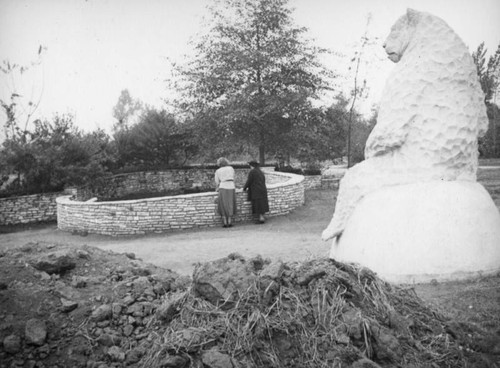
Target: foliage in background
(158,140)
(55,155)
(19,104)
(125,110)
(489,77)
(357,91)
(253,75)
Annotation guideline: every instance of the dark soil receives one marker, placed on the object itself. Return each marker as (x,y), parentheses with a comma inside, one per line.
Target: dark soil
(112,310)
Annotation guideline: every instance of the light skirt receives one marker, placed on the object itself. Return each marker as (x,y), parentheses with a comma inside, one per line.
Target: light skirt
(227,202)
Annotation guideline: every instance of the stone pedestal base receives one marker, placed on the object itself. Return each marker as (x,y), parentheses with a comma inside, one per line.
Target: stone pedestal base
(419,232)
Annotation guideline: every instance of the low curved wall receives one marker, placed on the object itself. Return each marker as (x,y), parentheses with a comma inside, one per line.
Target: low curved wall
(156,215)
(158,181)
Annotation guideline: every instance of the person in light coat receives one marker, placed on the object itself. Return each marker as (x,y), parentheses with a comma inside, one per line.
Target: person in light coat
(224,185)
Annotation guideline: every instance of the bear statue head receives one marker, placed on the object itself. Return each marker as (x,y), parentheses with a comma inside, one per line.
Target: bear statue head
(401,34)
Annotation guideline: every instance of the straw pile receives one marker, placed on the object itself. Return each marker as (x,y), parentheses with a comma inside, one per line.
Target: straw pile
(318,313)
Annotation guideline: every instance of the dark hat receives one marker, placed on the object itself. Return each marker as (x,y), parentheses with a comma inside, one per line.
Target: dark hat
(253,163)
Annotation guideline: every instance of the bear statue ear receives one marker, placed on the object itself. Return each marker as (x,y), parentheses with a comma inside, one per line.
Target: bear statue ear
(412,15)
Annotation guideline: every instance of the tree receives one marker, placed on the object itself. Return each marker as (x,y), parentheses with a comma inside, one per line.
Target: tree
(55,154)
(18,106)
(489,77)
(359,89)
(125,109)
(156,141)
(488,73)
(253,72)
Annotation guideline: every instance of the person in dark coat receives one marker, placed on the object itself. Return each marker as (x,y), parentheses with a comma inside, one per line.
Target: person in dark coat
(257,191)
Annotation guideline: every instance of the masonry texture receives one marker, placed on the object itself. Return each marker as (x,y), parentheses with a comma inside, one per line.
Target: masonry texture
(28,209)
(156,215)
(200,179)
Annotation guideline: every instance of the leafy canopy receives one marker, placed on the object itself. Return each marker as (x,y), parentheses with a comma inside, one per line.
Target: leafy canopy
(253,71)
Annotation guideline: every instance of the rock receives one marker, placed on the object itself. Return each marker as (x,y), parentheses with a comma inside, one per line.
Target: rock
(273,270)
(79,282)
(116,354)
(68,305)
(116,309)
(141,283)
(109,339)
(128,299)
(387,345)
(130,255)
(122,289)
(174,361)
(180,283)
(310,276)
(54,263)
(188,339)
(44,276)
(224,279)
(35,332)
(103,324)
(12,344)
(131,320)
(43,351)
(141,271)
(353,320)
(83,254)
(215,359)
(141,309)
(134,356)
(128,330)
(102,313)
(28,247)
(66,291)
(342,338)
(168,310)
(162,286)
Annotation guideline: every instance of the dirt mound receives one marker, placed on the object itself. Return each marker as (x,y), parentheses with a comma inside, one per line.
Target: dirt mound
(73,306)
(80,306)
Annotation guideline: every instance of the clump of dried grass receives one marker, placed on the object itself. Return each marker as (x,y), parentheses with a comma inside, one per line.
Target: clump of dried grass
(319,314)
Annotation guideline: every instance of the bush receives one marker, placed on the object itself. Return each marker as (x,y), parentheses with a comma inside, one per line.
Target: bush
(289,169)
(311,172)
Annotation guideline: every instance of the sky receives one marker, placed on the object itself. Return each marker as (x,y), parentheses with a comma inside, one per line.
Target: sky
(94,49)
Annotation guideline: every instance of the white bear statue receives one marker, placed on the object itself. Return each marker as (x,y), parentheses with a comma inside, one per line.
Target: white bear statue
(413,211)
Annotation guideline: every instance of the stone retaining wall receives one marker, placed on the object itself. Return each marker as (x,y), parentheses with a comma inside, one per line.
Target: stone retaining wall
(312,182)
(28,209)
(330,183)
(161,181)
(156,215)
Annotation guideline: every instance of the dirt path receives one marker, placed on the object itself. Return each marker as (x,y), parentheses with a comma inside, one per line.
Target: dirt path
(293,237)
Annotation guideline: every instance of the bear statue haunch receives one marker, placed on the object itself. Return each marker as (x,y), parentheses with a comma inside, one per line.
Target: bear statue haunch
(431,114)
(413,211)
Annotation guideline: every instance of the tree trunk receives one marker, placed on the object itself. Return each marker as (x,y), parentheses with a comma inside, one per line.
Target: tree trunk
(262,154)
